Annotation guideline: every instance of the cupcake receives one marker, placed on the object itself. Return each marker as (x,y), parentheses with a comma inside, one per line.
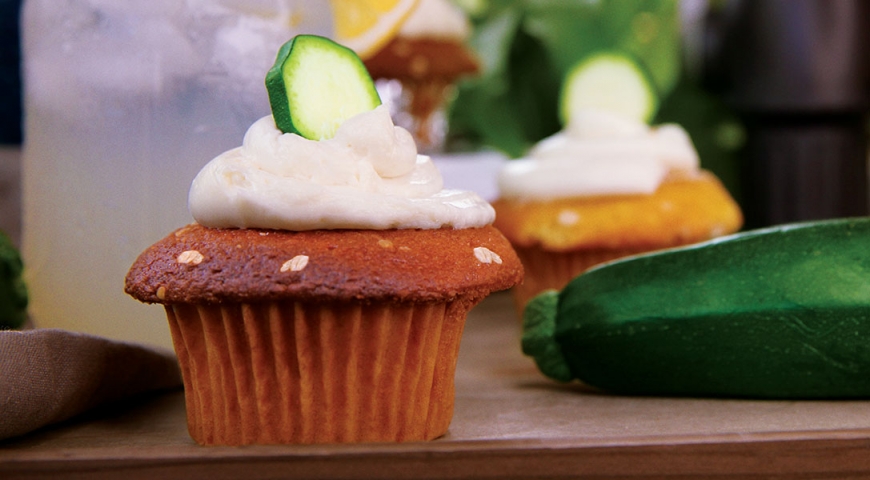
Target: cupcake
(321,295)
(416,71)
(606,187)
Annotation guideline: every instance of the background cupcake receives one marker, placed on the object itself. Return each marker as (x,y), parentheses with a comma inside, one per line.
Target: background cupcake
(416,71)
(603,188)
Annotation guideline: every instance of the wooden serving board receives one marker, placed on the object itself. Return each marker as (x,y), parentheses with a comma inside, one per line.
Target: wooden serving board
(509,422)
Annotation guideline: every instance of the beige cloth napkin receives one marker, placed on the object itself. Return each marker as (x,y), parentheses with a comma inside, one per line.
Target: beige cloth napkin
(51,375)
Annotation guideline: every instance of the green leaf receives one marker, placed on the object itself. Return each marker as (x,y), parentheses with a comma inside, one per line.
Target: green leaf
(13,291)
(528,46)
(715,130)
(492,41)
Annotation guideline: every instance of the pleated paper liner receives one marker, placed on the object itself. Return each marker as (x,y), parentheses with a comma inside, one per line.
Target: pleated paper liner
(288,372)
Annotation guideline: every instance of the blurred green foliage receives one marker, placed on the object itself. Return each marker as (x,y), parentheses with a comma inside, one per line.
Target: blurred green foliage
(528,46)
(13,291)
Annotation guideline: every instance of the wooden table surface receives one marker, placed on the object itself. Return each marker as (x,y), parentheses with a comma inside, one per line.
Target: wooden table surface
(510,422)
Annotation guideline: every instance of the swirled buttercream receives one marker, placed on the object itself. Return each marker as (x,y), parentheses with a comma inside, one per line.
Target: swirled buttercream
(436,19)
(368,176)
(599,153)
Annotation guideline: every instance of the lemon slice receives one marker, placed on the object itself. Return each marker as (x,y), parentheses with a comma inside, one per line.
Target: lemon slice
(367,25)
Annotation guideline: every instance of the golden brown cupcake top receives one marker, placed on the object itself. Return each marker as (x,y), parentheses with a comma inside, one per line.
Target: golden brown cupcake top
(685,208)
(430,46)
(423,59)
(196,264)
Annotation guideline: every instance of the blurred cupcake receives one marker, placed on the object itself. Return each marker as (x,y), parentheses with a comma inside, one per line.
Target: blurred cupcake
(603,188)
(416,71)
(322,294)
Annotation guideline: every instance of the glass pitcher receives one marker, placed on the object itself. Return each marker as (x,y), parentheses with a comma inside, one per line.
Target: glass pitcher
(124,102)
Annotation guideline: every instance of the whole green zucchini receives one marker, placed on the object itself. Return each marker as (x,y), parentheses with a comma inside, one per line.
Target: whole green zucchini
(781,312)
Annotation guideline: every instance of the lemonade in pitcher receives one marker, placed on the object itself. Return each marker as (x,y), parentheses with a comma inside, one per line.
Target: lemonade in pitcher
(124,103)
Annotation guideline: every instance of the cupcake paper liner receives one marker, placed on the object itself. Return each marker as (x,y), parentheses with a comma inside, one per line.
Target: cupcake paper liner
(545,270)
(291,372)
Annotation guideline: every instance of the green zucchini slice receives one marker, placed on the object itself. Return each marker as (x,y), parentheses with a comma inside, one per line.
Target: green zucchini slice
(609,81)
(317,84)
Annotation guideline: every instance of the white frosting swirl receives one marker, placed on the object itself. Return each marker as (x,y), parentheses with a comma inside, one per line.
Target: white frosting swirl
(436,19)
(599,153)
(368,176)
